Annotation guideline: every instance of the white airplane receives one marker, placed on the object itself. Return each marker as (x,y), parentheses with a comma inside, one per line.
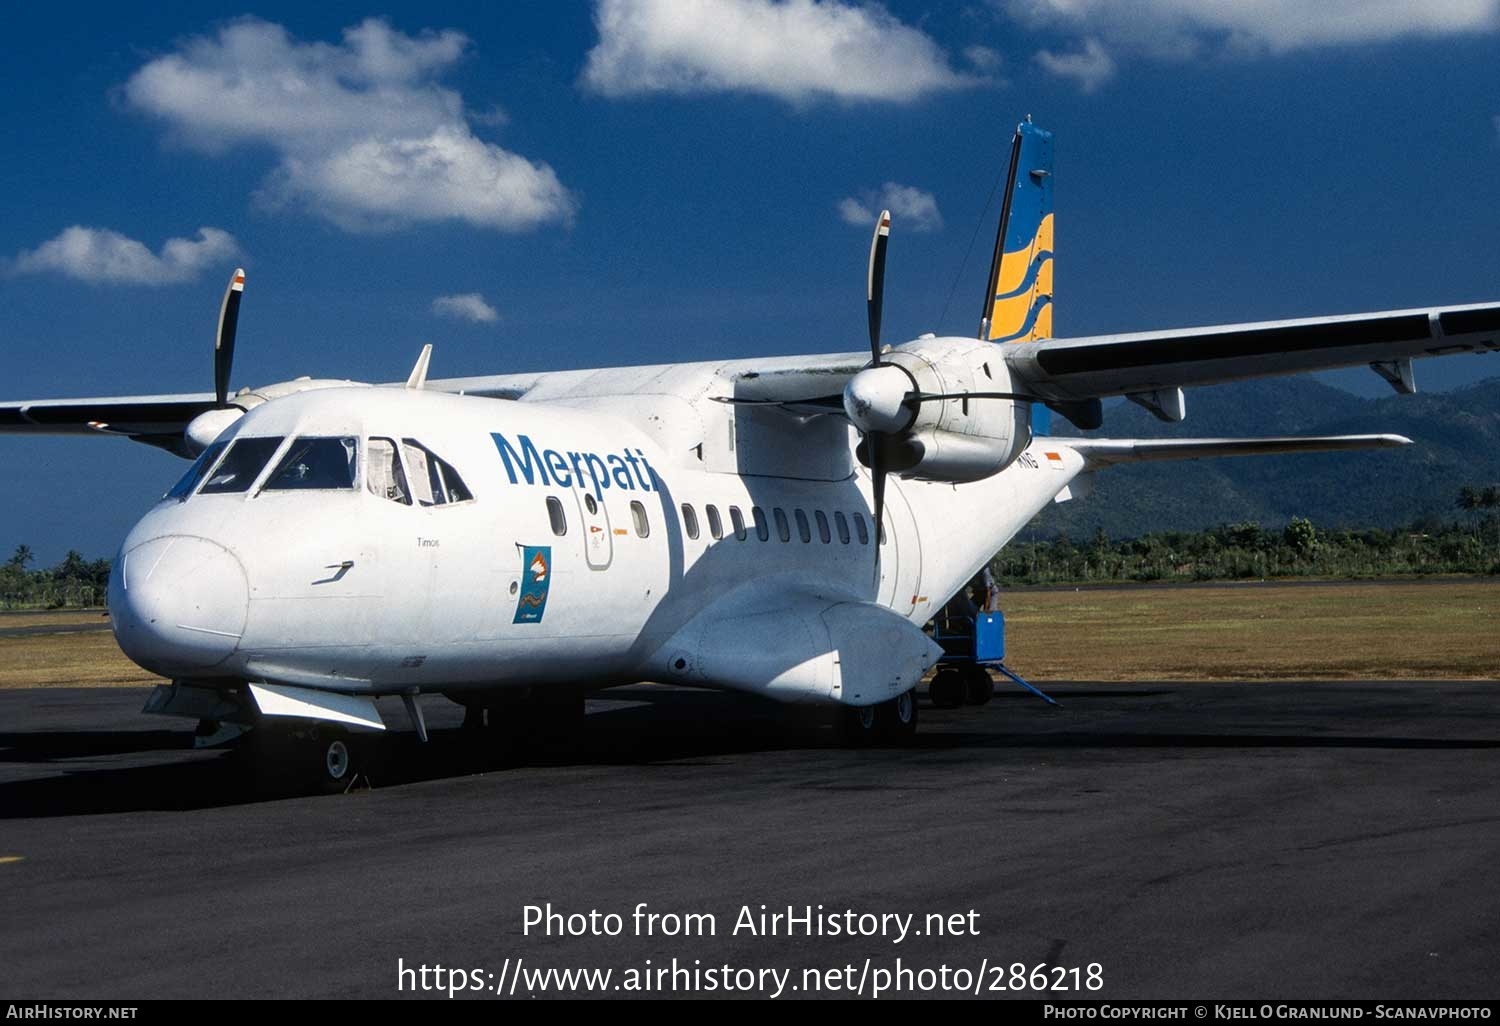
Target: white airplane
(782,527)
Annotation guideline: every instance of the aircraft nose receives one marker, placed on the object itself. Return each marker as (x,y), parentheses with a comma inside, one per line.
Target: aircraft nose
(178,603)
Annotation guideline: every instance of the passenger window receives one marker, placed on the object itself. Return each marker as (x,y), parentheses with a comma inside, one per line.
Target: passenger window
(782,527)
(638,514)
(822,527)
(241,465)
(556,515)
(841,522)
(433,482)
(738,520)
(715,525)
(590,505)
(202,465)
(802,529)
(383,474)
(762,530)
(690,521)
(315,463)
(861,530)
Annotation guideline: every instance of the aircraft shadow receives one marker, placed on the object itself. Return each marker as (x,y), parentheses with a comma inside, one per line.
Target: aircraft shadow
(634,726)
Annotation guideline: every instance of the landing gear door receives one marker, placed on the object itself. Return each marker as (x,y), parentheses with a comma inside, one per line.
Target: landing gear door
(598,543)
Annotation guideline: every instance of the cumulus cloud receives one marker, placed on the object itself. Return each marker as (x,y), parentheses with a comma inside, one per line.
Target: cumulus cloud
(364,134)
(1185,28)
(911,208)
(794,50)
(1090,67)
(466,306)
(102,255)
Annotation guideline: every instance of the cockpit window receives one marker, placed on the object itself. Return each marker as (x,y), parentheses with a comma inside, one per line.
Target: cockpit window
(383,474)
(313,462)
(433,481)
(241,465)
(202,465)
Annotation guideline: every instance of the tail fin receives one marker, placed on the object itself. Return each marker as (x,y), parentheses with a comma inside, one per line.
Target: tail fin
(1018,302)
(1018,299)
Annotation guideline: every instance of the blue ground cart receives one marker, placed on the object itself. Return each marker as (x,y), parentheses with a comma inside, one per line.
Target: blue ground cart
(972,646)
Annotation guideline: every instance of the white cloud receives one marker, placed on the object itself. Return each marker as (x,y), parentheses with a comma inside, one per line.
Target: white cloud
(983,58)
(363,133)
(102,255)
(794,50)
(1090,67)
(1184,28)
(466,306)
(911,208)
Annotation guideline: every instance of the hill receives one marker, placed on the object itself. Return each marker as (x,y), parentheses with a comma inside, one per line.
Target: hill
(1457,436)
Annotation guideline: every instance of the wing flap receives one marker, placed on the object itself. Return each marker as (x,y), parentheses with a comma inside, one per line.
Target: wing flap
(1109,365)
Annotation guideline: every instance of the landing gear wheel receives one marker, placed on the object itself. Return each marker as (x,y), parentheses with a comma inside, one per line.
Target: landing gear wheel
(859,726)
(979,686)
(898,718)
(947,690)
(336,763)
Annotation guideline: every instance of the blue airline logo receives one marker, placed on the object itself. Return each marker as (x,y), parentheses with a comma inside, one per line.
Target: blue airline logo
(627,471)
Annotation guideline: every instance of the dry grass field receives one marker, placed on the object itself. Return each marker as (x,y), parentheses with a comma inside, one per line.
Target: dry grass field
(1401,631)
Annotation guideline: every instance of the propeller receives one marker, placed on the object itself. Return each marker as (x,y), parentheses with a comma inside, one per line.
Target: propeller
(229,318)
(882,400)
(879,377)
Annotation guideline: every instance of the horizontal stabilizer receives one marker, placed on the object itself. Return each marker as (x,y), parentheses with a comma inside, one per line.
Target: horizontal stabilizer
(1106,452)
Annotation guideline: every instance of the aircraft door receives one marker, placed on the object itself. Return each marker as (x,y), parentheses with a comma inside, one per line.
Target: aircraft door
(598,541)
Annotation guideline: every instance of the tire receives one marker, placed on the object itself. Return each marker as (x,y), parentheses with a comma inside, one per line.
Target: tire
(979,686)
(860,726)
(898,718)
(336,761)
(947,690)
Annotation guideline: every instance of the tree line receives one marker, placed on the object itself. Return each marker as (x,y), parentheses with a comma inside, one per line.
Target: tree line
(73,583)
(1248,551)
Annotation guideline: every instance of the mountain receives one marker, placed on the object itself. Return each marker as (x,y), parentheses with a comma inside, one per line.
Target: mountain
(1457,436)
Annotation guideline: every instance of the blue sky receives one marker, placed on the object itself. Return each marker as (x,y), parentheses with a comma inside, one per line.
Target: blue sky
(560,185)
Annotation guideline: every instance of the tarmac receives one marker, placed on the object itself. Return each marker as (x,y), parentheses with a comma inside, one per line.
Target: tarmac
(1191,840)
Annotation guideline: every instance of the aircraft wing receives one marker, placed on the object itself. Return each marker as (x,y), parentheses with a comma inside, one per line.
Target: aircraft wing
(155,419)
(1108,365)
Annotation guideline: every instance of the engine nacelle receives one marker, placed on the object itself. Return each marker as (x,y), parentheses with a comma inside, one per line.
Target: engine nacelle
(960,439)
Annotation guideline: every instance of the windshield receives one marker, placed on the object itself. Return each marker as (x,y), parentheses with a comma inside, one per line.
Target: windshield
(185,485)
(316,463)
(241,465)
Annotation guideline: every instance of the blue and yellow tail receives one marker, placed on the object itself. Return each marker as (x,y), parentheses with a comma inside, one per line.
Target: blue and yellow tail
(1018,300)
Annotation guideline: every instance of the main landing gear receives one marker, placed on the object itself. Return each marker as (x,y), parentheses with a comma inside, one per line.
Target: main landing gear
(956,686)
(893,722)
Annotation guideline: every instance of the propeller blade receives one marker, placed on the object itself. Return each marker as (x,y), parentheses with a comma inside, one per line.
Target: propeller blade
(229,317)
(876,450)
(875,282)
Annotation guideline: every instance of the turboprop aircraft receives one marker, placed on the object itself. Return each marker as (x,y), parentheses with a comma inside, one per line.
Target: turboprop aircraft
(780,526)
